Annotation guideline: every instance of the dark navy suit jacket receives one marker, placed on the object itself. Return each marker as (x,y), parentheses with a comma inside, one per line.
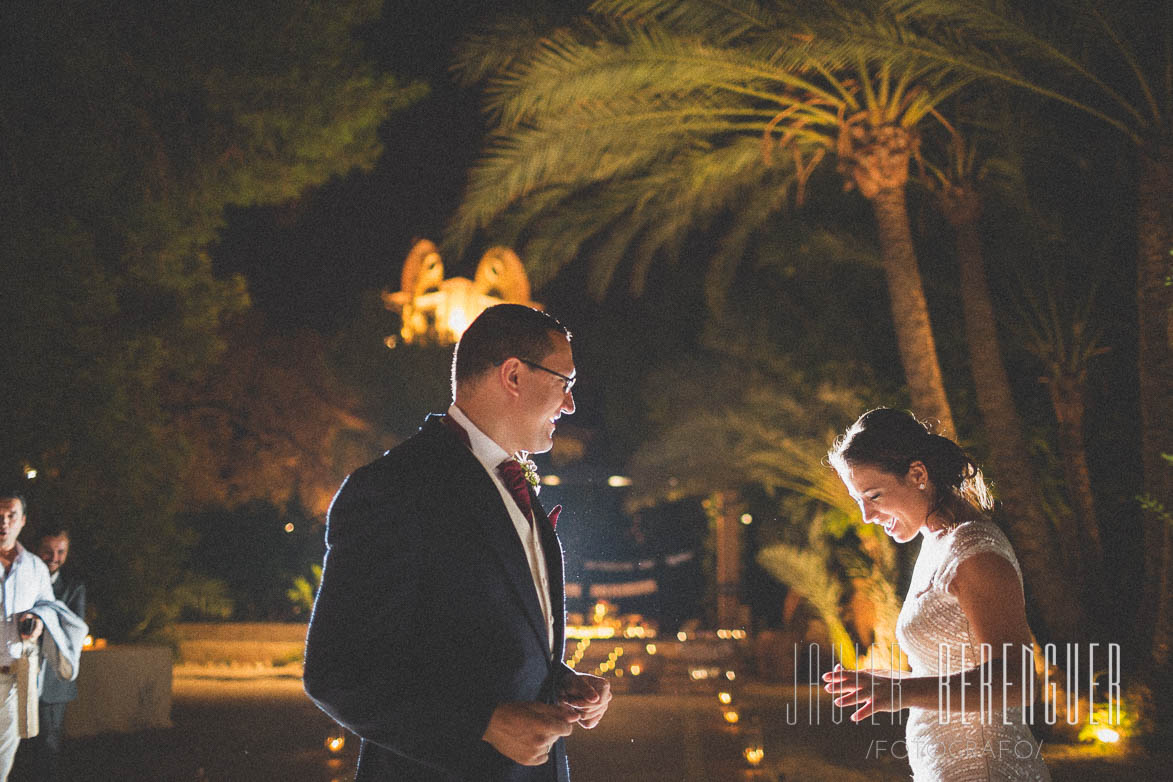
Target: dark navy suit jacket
(427,617)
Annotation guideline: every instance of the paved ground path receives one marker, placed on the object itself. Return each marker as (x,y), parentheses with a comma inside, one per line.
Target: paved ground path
(261,728)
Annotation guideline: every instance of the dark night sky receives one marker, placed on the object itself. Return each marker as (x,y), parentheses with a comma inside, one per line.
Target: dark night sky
(307,263)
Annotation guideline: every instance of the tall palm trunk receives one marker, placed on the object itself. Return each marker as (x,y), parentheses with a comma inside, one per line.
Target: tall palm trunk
(1070,405)
(1155,310)
(910,311)
(1029,529)
(877,159)
(727,508)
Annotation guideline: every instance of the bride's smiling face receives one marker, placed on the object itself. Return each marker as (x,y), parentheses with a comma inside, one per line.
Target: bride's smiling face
(897,503)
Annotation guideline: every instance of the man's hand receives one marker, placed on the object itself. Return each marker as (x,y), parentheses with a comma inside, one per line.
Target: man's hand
(588,695)
(37,627)
(525,732)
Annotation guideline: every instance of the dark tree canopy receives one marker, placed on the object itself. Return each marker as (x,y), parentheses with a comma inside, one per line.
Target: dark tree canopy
(128,129)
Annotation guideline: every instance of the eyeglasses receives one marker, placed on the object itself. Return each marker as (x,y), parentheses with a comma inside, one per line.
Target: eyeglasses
(567,382)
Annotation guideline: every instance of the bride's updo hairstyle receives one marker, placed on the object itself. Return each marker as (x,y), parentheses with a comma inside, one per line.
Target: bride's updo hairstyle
(891,440)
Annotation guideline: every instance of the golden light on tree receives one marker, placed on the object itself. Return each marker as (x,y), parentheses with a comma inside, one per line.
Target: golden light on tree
(435,310)
(1107,735)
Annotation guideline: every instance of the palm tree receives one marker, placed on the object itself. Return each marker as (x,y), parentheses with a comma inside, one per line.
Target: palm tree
(1117,70)
(1064,341)
(771,432)
(624,135)
(958,185)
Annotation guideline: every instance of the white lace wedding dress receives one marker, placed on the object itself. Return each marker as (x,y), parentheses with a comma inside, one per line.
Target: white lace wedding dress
(932,624)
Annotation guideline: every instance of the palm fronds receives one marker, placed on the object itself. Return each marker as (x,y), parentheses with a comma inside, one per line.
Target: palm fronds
(806,572)
(653,120)
(770,433)
(994,41)
(1059,330)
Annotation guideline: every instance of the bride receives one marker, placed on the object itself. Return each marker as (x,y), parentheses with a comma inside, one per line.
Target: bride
(963,624)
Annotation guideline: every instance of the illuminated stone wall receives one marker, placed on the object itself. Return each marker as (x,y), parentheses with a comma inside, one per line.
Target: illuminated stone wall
(121,689)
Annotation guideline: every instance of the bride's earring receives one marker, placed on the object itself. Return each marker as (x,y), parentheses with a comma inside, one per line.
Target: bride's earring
(921,487)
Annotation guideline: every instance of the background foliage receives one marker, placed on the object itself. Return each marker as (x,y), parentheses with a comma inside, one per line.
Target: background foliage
(129,129)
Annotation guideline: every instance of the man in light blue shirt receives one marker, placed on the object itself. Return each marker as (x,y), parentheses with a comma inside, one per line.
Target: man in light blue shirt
(41,754)
(25,582)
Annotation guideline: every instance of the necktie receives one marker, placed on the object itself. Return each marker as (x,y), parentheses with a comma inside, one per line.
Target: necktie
(513,476)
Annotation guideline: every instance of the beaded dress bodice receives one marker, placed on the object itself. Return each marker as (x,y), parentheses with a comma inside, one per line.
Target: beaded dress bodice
(933,631)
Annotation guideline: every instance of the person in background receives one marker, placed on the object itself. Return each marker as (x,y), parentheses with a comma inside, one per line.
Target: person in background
(42,752)
(25,583)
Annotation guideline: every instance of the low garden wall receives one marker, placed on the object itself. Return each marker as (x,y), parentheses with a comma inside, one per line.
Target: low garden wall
(121,689)
(245,643)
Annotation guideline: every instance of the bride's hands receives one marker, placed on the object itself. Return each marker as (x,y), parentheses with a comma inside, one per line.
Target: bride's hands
(870,690)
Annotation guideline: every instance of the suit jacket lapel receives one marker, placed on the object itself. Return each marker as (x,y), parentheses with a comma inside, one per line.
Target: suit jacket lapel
(479,493)
(552,549)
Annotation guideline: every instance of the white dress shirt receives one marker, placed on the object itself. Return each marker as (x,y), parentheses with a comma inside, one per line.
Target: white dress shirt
(490,454)
(26,582)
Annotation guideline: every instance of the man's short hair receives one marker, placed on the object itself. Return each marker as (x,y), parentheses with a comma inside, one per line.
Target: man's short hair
(5,494)
(502,332)
(55,532)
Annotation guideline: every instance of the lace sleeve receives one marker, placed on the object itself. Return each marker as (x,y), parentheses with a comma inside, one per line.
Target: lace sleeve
(970,538)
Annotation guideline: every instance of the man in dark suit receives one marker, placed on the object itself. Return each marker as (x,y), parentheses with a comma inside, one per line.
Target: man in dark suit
(438,630)
(44,749)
